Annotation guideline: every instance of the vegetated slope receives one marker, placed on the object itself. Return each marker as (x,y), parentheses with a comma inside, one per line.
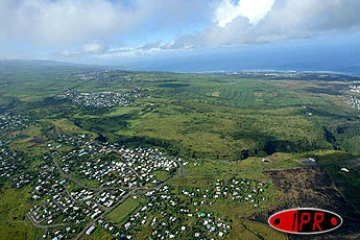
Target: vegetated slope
(226,116)
(313,187)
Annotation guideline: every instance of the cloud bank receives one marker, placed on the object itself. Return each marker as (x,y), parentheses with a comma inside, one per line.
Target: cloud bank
(107,29)
(62,22)
(261,21)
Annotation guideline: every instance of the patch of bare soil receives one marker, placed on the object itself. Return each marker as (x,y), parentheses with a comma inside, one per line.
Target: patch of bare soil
(36,140)
(53,131)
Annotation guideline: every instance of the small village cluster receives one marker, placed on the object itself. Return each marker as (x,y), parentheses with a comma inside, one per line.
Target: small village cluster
(90,75)
(13,123)
(355,102)
(62,202)
(12,166)
(168,213)
(69,211)
(169,217)
(103,99)
(112,165)
(9,162)
(55,206)
(355,99)
(47,183)
(59,209)
(112,75)
(108,198)
(355,87)
(240,190)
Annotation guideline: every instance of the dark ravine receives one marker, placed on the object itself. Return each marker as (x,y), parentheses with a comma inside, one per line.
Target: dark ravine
(330,137)
(101,138)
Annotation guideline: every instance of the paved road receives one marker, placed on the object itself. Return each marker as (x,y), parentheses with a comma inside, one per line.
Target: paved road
(38,225)
(69,177)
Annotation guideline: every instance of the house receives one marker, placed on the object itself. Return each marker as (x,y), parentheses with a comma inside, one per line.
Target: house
(127,225)
(90,230)
(312,160)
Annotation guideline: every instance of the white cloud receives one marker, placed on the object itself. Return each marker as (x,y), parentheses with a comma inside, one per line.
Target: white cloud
(63,21)
(67,22)
(99,50)
(64,24)
(95,47)
(91,48)
(237,24)
(146,50)
(253,10)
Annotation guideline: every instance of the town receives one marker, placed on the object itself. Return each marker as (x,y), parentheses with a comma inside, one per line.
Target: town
(13,123)
(67,181)
(102,99)
(12,164)
(81,182)
(127,175)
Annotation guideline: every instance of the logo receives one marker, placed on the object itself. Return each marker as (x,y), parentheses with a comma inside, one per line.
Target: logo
(305,221)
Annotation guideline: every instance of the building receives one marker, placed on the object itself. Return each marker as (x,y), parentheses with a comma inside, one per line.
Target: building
(90,230)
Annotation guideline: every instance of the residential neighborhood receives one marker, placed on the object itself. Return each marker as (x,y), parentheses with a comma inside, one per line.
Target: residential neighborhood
(80,185)
(12,164)
(355,102)
(12,123)
(355,99)
(110,165)
(102,99)
(80,181)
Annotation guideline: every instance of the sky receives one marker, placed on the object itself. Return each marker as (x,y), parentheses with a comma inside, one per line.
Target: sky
(166,34)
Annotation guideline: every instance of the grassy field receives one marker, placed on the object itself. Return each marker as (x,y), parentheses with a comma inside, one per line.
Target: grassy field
(100,233)
(119,214)
(245,115)
(259,231)
(347,182)
(13,206)
(161,175)
(209,115)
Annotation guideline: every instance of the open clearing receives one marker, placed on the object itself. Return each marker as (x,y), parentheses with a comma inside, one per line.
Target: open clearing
(123,210)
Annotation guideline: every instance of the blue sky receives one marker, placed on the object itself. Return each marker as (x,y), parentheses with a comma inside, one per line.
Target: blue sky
(120,32)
